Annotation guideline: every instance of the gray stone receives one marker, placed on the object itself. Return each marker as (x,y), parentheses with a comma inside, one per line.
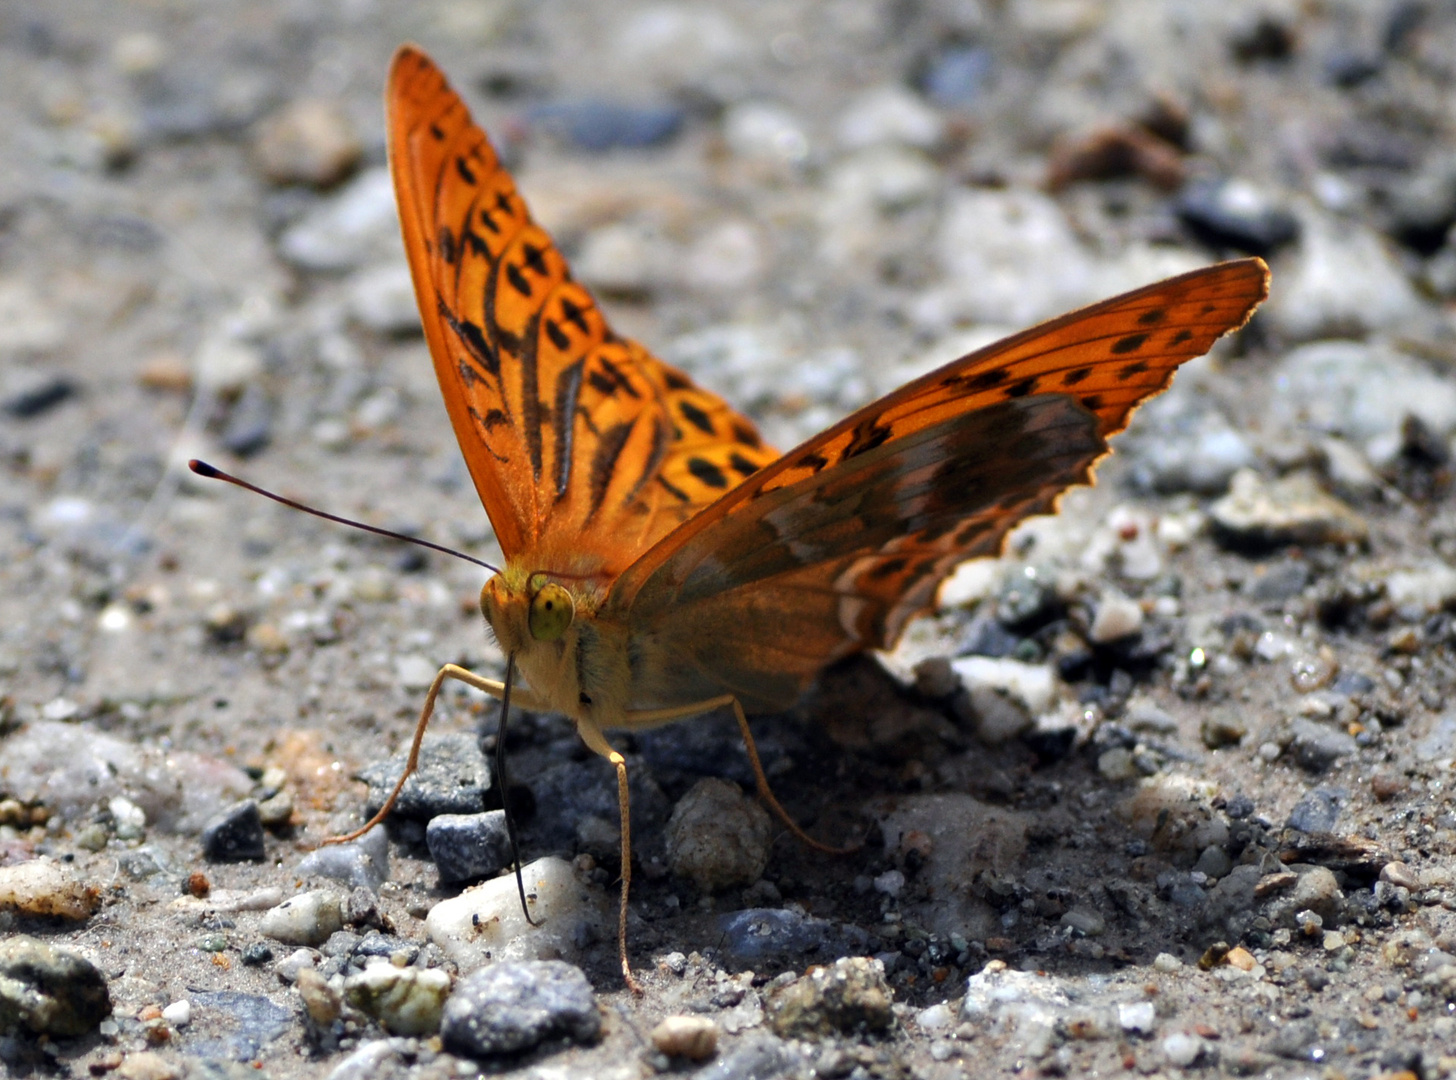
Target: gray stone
(347,230)
(244,1024)
(758,1056)
(1319,809)
(452,778)
(510,1007)
(309,141)
(1317,747)
(469,846)
(761,937)
(717,837)
(362,863)
(48,990)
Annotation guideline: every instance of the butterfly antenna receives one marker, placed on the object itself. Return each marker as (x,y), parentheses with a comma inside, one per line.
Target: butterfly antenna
(505,787)
(212,472)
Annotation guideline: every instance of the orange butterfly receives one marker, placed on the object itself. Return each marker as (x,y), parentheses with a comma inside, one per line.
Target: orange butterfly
(661,561)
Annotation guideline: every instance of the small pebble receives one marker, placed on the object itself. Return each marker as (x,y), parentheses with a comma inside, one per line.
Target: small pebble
(850,994)
(289,967)
(1138,1017)
(311,141)
(510,1007)
(45,888)
(1182,1049)
(178,1014)
(1166,963)
(307,919)
(717,837)
(466,847)
(452,778)
(692,1037)
(407,1001)
(235,835)
(1117,618)
(485,922)
(321,999)
(48,989)
(1398,873)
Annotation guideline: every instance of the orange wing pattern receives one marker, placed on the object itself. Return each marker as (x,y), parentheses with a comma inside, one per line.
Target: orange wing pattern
(584,448)
(840,542)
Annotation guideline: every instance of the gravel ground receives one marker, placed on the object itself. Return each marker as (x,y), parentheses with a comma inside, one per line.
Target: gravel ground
(1165,788)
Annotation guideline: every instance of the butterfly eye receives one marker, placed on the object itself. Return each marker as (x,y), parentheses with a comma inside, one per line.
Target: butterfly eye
(552,610)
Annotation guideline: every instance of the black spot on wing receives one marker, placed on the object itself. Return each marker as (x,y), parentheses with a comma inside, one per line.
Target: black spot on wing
(1022,388)
(619,378)
(987,380)
(1181,336)
(707,472)
(575,314)
(503,203)
(1128,371)
(464,171)
(741,465)
(445,245)
(1092,402)
(558,338)
(494,419)
(695,416)
(745,435)
(437,134)
(676,380)
(535,258)
(518,280)
(813,461)
(1148,318)
(889,567)
(488,220)
(866,437)
(677,492)
(1131,343)
(1072,378)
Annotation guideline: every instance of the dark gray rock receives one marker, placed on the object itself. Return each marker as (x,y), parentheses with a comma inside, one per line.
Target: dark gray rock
(510,1007)
(453,778)
(1318,811)
(1317,747)
(42,397)
(363,864)
(469,846)
(250,423)
(49,991)
(755,936)
(1230,214)
(604,125)
(1297,1041)
(1280,581)
(235,835)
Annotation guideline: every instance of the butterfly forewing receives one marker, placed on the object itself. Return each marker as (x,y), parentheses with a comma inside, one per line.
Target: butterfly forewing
(879,508)
(584,448)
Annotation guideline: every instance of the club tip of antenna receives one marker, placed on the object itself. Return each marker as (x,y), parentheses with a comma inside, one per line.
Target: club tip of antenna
(202,468)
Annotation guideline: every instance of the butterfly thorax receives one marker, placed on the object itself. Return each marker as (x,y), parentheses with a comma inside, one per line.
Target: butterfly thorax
(571,661)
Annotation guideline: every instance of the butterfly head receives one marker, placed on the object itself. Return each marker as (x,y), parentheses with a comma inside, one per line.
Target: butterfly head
(527,609)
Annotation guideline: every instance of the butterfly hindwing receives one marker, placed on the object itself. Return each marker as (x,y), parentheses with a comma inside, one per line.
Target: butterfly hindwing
(872,514)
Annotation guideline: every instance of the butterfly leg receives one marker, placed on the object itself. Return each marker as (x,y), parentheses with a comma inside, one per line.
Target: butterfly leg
(648,717)
(596,741)
(449,671)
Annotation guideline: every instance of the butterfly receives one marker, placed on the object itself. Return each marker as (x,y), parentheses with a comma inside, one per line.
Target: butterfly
(661,561)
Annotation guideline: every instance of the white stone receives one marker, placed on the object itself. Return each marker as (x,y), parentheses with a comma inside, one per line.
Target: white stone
(762,131)
(382,298)
(891,883)
(415,672)
(1138,1017)
(27,323)
(936,1018)
(1344,282)
(624,257)
(996,716)
(306,919)
(1117,618)
(178,1014)
(1362,392)
(406,1000)
(889,114)
(347,229)
(726,258)
(1431,587)
(1182,1049)
(224,363)
(1033,685)
(485,923)
(1166,963)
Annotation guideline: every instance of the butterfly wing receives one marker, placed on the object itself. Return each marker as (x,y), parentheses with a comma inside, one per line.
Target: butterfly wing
(583,447)
(835,546)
